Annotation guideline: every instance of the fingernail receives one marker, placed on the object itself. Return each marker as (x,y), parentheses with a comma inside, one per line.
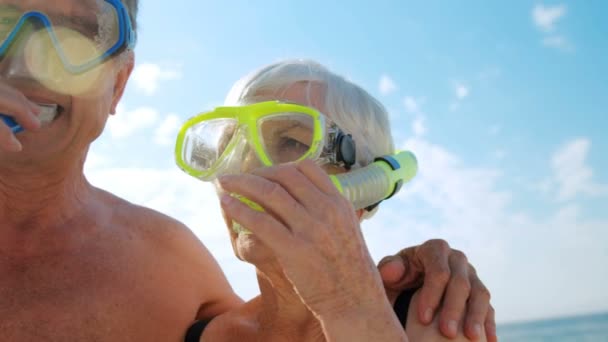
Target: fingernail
(15,144)
(386,260)
(452,327)
(428,315)
(226,199)
(477,330)
(225,179)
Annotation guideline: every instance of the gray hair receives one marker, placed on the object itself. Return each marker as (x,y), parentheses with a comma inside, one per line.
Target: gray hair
(352,108)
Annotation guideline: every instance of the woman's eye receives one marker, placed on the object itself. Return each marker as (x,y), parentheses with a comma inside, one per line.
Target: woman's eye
(293,144)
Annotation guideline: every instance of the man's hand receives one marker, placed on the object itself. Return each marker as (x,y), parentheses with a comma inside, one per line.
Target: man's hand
(13,103)
(448,279)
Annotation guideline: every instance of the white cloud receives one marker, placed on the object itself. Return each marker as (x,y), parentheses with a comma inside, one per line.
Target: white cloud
(148,76)
(387,85)
(419,126)
(413,106)
(96,160)
(167,130)
(462,91)
(545,17)
(125,123)
(571,173)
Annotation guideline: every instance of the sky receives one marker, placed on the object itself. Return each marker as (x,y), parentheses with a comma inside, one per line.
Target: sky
(503,103)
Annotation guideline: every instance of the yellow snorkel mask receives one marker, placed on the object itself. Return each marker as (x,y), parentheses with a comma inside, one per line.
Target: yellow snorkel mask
(240,138)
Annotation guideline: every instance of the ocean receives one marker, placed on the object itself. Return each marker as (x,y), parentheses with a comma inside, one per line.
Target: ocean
(588,328)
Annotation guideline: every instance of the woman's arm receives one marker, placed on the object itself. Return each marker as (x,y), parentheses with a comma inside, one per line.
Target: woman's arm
(373,324)
(314,234)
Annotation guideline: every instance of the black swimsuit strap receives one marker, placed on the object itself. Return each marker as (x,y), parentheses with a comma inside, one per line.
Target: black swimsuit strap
(402,305)
(195,331)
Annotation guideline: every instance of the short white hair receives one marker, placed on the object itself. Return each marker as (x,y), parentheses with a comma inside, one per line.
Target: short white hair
(352,108)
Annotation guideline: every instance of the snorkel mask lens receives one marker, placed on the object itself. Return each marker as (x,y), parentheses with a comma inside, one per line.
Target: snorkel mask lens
(286,137)
(205,143)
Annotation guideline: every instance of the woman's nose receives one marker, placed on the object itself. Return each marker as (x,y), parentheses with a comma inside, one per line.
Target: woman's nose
(250,160)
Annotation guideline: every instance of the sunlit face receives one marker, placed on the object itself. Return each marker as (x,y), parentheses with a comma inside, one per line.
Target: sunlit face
(84,100)
(286,141)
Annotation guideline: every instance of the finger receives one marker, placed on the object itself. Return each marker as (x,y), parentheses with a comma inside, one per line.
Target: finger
(270,231)
(332,206)
(391,269)
(270,195)
(490,325)
(15,104)
(456,295)
(433,255)
(8,141)
(478,306)
(413,269)
(298,185)
(318,177)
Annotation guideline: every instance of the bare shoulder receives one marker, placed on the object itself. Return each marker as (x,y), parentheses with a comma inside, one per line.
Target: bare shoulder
(150,225)
(418,332)
(176,253)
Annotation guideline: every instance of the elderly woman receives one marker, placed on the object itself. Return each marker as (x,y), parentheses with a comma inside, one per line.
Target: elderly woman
(285,216)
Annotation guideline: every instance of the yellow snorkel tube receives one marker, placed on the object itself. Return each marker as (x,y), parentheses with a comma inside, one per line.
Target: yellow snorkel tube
(368,186)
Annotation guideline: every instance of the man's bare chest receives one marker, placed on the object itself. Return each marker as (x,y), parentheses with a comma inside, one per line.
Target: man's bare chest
(82,298)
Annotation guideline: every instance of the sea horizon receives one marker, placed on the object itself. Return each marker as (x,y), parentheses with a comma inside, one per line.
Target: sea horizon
(592,327)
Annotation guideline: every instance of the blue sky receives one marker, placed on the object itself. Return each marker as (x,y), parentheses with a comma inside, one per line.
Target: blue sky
(504,104)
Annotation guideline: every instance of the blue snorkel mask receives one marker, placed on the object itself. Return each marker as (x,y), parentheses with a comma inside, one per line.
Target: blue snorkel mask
(52,46)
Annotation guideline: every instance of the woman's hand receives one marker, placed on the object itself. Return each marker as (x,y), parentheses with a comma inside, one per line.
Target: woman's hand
(314,233)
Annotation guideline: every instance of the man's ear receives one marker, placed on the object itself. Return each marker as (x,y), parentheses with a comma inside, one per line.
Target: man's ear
(126,67)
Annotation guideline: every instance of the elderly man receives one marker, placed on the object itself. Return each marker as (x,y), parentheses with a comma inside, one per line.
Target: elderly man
(80,264)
